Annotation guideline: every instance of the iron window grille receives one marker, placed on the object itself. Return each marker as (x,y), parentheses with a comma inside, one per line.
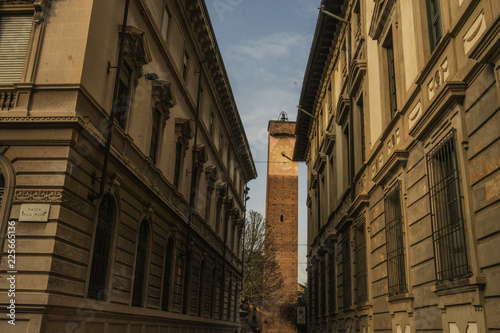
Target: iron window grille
(446,211)
(140,265)
(395,241)
(323,286)
(201,286)
(346,272)
(167,275)
(361,273)
(331,282)
(100,256)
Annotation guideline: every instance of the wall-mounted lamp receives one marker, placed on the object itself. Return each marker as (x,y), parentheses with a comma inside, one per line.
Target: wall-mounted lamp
(338,18)
(151,76)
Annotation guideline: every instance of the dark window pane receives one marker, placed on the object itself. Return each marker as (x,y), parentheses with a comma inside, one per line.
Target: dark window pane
(140,264)
(100,255)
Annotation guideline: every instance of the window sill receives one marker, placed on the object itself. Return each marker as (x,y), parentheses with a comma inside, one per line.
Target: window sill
(459,286)
(399,298)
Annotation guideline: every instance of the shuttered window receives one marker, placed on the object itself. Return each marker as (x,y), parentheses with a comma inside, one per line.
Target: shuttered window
(15,33)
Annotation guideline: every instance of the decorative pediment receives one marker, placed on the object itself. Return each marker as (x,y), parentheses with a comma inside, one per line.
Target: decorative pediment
(220,189)
(201,155)
(211,174)
(357,72)
(330,142)
(343,106)
(314,180)
(320,162)
(183,131)
(162,97)
(136,50)
(381,17)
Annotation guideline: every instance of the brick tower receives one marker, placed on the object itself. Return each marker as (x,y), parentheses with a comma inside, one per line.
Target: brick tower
(282,213)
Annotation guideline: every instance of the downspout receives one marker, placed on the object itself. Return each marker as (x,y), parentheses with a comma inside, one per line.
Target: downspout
(91,196)
(226,221)
(192,193)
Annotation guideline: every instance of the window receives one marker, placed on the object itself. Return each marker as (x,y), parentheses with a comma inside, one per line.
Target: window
(221,142)
(323,286)
(395,241)
(187,281)
(178,161)
(346,272)
(281,218)
(140,264)
(213,292)
(167,275)
(164,23)
(446,208)
(201,287)
(155,134)
(221,296)
(361,113)
(124,91)
(100,254)
(218,215)
(331,282)
(185,65)
(15,33)
(316,291)
(434,21)
(229,299)
(391,71)
(361,273)
(211,123)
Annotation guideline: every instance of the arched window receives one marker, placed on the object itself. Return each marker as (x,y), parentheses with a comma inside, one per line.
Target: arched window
(100,255)
(201,287)
(229,299)
(167,275)
(140,264)
(187,281)
(213,292)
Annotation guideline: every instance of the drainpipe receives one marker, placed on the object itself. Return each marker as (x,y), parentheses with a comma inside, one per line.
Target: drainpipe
(91,196)
(226,221)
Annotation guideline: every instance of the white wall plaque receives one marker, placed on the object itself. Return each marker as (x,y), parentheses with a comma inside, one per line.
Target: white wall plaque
(34,212)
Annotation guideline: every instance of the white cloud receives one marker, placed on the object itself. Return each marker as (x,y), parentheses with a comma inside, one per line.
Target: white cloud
(277,45)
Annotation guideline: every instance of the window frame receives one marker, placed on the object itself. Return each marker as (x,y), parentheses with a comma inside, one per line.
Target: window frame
(164,28)
(155,135)
(110,241)
(139,300)
(346,272)
(360,254)
(168,269)
(395,242)
(458,227)
(433,19)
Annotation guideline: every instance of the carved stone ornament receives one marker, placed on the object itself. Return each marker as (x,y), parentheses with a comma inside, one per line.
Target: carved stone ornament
(136,51)
(183,131)
(162,97)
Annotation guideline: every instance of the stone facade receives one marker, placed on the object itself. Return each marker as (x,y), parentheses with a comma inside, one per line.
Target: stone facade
(403,168)
(160,249)
(282,214)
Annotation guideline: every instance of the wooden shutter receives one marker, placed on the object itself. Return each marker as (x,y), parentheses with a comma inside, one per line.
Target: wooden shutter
(15,33)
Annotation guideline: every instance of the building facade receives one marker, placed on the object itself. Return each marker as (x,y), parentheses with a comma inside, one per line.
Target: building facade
(398,125)
(282,217)
(123,166)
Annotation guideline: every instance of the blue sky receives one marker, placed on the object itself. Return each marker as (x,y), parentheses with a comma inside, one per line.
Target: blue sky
(265,46)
